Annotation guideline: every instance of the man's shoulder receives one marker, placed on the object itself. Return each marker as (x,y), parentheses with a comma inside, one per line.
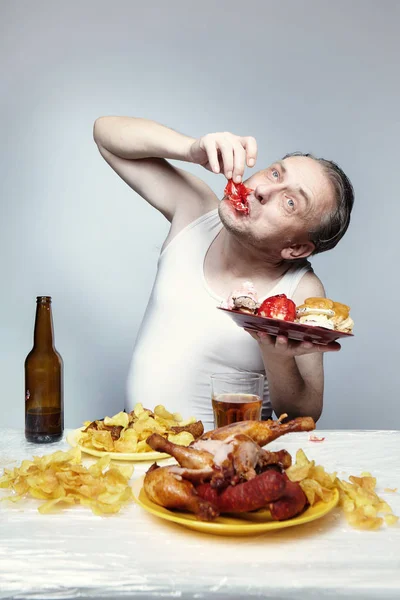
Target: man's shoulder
(309,285)
(188,216)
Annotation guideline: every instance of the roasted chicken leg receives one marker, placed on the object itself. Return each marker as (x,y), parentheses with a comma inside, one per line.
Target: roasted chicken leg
(227,470)
(168,489)
(186,457)
(262,432)
(230,460)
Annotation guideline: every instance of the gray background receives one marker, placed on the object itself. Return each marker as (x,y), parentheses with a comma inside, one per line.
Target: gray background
(314,76)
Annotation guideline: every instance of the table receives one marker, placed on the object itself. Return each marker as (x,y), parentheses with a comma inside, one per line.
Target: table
(75,554)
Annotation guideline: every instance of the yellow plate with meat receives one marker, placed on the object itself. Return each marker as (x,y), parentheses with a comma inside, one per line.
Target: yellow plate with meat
(252,523)
(73,439)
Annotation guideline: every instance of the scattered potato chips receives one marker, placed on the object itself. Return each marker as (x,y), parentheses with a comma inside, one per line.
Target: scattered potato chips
(136,427)
(358,498)
(60,478)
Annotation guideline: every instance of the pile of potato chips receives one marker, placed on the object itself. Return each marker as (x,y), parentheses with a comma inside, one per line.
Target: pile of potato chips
(60,478)
(137,426)
(358,498)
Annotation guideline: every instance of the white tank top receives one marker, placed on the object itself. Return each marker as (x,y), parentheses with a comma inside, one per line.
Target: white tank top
(183,338)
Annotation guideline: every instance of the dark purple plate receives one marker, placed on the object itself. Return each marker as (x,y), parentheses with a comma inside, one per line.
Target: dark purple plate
(293,331)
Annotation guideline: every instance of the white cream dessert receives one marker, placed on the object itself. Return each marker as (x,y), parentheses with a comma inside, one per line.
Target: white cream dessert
(306,317)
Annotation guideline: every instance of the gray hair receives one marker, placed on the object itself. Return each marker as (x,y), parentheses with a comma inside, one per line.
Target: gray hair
(335,224)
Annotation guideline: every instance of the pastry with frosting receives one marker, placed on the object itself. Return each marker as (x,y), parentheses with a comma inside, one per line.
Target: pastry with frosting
(323,312)
(244,298)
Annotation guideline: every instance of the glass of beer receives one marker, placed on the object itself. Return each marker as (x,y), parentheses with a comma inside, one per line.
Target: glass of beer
(236,397)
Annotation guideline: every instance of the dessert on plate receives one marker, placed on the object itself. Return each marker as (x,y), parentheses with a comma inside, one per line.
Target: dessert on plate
(244,298)
(315,311)
(324,312)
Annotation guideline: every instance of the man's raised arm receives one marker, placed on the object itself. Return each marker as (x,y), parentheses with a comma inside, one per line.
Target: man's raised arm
(133,138)
(138,150)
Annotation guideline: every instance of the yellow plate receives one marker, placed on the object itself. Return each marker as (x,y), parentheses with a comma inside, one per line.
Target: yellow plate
(248,523)
(73,440)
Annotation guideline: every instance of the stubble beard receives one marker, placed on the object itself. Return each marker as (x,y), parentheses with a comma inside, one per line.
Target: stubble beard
(237,225)
(234,222)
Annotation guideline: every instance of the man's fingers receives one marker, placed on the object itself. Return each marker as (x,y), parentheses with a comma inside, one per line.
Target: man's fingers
(310,348)
(250,145)
(282,342)
(212,154)
(239,155)
(281,345)
(226,151)
(266,339)
(261,336)
(332,347)
(253,334)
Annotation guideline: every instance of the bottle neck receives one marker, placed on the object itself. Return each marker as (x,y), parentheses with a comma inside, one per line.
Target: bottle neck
(43,335)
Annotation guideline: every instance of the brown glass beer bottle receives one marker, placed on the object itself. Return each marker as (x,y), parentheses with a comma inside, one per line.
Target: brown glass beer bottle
(44,403)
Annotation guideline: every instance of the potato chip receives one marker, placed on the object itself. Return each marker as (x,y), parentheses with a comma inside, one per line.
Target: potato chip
(347,504)
(47,507)
(298,472)
(148,425)
(359,520)
(184,438)
(138,409)
(384,506)
(319,491)
(100,440)
(61,480)
(367,482)
(136,427)
(143,446)
(301,458)
(327,480)
(161,411)
(127,442)
(121,419)
(391,519)
(357,497)
(185,422)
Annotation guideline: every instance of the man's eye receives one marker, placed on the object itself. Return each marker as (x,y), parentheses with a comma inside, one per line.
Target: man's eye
(290,202)
(275,174)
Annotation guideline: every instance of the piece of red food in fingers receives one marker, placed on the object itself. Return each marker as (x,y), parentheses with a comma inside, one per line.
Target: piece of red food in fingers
(250,495)
(278,307)
(237,194)
(290,504)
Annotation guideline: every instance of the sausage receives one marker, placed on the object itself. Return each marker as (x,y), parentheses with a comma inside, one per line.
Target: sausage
(250,495)
(290,504)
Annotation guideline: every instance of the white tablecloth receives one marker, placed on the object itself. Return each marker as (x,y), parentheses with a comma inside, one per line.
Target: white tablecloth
(75,554)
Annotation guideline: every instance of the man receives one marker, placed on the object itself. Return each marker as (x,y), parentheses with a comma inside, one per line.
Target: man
(299,206)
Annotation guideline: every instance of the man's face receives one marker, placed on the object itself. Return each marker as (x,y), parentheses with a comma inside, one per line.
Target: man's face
(288,200)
